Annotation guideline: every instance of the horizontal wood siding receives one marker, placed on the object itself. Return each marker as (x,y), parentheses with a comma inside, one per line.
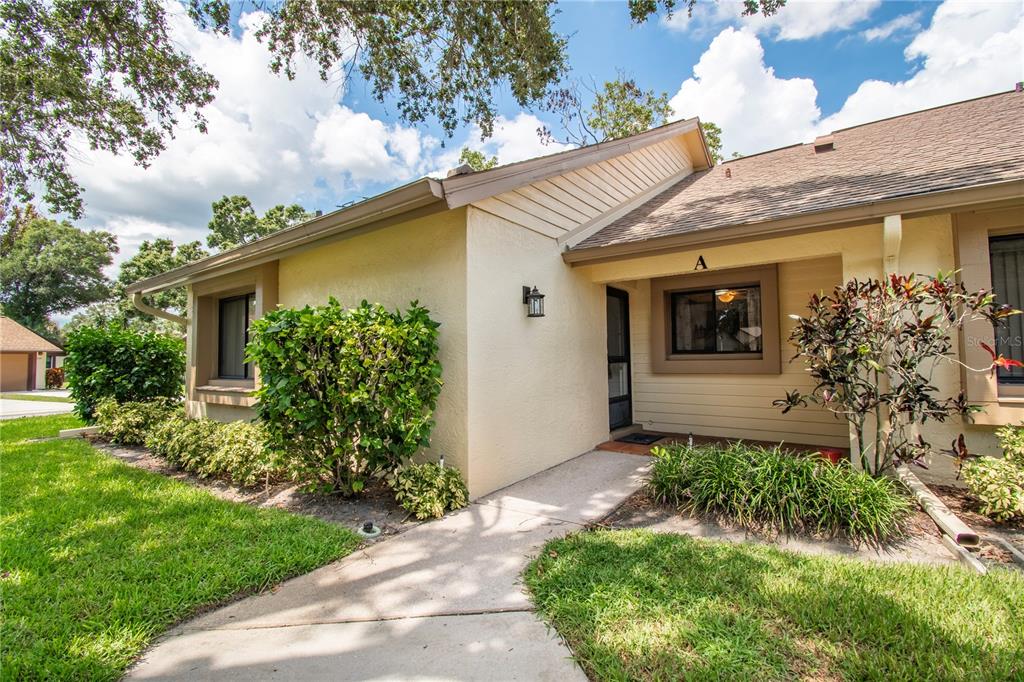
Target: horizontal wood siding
(558,205)
(737,405)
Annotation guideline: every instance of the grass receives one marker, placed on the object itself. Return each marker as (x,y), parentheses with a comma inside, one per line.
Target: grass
(635,605)
(12,430)
(40,398)
(97,558)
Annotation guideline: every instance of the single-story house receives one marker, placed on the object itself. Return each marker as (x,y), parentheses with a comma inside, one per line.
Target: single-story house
(24,357)
(635,243)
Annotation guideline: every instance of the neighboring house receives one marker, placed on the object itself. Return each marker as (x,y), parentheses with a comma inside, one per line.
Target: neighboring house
(637,244)
(23,357)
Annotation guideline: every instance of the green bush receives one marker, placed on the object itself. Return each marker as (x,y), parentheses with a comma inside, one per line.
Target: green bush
(429,490)
(241,453)
(346,395)
(130,423)
(122,364)
(770,489)
(236,451)
(999,483)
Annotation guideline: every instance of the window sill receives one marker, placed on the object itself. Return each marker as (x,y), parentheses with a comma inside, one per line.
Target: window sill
(236,390)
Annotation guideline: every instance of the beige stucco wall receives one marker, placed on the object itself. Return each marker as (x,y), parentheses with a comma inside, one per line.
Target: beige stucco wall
(807,260)
(422,260)
(538,391)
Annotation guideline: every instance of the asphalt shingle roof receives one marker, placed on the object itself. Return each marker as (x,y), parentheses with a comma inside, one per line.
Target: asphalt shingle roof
(15,338)
(961,145)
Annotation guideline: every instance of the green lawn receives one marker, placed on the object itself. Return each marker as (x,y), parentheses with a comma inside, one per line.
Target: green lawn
(12,430)
(40,398)
(96,557)
(645,606)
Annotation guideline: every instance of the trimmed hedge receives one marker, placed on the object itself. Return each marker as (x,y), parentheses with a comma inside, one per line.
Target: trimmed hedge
(770,489)
(130,423)
(122,364)
(429,490)
(237,451)
(346,394)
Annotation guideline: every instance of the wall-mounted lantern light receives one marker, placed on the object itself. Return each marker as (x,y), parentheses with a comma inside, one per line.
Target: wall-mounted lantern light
(534,302)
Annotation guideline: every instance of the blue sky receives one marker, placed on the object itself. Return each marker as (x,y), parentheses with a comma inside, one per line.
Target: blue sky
(817,66)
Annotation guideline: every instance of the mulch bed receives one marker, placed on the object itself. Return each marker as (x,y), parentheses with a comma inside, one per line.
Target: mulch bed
(376,503)
(641,505)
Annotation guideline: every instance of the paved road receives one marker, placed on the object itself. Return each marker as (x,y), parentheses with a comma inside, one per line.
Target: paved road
(442,601)
(12,409)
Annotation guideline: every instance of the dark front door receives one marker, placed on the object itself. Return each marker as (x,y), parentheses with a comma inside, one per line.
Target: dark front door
(620,403)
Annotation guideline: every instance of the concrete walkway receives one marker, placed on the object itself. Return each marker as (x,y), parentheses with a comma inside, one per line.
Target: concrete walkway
(442,601)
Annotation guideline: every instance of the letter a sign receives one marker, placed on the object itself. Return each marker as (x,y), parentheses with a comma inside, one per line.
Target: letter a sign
(701,265)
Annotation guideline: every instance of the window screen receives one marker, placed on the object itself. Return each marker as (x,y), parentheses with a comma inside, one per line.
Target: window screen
(1007,257)
(235,315)
(717,321)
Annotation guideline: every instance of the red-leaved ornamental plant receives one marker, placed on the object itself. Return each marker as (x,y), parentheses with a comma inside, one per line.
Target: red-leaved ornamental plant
(873,347)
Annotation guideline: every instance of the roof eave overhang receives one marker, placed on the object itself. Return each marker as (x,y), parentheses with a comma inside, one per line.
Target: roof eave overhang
(461,190)
(972,197)
(377,211)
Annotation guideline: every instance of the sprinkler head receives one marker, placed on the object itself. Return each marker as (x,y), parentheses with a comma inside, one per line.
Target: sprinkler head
(368,530)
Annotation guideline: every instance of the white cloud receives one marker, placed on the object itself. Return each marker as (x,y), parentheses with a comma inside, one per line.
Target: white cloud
(514,139)
(366,149)
(270,138)
(798,20)
(732,86)
(904,22)
(969,50)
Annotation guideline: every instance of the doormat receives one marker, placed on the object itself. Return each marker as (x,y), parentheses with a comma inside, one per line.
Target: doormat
(640,438)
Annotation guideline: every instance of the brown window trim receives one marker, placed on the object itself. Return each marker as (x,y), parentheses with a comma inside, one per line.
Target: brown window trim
(768,361)
(1003,403)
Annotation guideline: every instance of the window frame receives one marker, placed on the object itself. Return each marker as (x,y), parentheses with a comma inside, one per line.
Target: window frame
(1004,383)
(249,299)
(673,295)
(665,361)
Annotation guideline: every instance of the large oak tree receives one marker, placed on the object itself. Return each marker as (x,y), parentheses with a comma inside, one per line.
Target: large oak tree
(107,74)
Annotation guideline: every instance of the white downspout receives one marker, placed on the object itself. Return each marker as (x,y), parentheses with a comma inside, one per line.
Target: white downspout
(156,312)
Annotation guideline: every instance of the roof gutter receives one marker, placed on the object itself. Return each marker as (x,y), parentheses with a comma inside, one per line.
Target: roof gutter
(1012,190)
(376,211)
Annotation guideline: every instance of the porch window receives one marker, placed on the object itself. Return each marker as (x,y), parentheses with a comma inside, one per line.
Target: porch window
(716,322)
(235,314)
(1006,255)
(724,320)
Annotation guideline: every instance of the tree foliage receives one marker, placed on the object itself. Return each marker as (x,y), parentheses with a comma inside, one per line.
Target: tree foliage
(619,108)
(51,267)
(641,10)
(108,74)
(477,160)
(346,395)
(872,348)
(235,222)
(713,138)
(154,258)
(102,74)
